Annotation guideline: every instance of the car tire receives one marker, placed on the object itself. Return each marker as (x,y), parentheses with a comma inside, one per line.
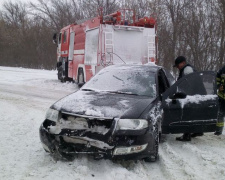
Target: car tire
(61,76)
(80,78)
(160,137)
(156,136)
(60,73)
(46,150)
(66,156)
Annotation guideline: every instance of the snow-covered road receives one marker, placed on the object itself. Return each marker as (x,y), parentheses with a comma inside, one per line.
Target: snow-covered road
(26,94)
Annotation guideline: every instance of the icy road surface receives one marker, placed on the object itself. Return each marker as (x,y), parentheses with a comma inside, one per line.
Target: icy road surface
(26,94)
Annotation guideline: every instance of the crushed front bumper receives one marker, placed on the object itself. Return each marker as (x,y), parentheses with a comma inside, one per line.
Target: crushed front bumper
(70,142)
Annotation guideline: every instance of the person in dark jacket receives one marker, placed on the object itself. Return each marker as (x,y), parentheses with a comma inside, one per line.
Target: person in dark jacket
(184,69)
(220,80)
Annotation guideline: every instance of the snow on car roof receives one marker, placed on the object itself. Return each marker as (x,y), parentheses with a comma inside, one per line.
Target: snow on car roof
(151,67)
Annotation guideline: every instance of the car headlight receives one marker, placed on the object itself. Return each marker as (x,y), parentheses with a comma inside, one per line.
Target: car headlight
(131,124)
(129,150)
(52,115)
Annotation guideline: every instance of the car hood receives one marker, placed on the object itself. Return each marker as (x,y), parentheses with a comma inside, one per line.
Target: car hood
(102,104)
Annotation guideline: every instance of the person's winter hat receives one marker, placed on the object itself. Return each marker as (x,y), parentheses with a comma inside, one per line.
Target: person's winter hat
(179,60)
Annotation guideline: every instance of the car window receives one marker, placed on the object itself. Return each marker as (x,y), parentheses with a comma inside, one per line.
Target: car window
(209,81)
(60,36)
(191,86)
(199,83)
(128,79)
(170,77)
(163,83)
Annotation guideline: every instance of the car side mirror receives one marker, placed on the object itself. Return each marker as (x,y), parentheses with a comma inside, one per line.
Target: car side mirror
(54,38)
(178,95)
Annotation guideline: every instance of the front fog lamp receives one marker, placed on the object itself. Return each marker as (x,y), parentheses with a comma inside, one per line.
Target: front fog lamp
(52,115)
(131,124)
(129,150)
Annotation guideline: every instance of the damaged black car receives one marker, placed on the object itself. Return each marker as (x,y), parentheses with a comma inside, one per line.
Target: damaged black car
(123,110)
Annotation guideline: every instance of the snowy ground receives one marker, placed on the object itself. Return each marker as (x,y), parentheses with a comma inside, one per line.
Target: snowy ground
(26,94)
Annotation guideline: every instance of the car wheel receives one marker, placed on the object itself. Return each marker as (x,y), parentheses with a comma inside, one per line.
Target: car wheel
(46,150)
(80,77)
(160,136)
(61,75)
(154,157)
(68,157)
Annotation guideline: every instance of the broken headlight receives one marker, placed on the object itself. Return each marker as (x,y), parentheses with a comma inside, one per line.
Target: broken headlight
(52,115)
(131,124)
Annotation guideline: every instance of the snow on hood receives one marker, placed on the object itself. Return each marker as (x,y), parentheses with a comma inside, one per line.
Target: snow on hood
(197,99)
(101,104)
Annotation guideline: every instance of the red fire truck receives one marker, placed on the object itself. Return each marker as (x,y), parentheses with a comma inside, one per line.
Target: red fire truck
(85,48)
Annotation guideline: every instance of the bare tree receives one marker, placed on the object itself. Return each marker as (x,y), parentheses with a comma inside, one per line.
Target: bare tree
(15,14)
(195,29)
(142,7)
(91,8)
(170,29)
(221,10)
(57,13)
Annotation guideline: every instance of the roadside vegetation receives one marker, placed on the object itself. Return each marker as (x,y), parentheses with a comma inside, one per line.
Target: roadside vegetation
(195,29)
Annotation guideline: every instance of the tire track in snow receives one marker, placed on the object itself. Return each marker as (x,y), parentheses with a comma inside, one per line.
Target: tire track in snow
(23,99)
(26,102)
(210,155)
(33,92)
(188,160)
(175,164)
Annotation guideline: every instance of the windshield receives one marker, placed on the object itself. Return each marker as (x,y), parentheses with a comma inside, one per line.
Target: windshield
(135,80)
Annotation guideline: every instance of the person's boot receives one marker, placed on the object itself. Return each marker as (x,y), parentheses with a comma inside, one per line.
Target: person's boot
(184,137)
(197,134)
(218,133)
(219,124)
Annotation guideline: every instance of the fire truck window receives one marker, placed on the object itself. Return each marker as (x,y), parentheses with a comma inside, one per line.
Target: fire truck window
(64,37)
(60,38)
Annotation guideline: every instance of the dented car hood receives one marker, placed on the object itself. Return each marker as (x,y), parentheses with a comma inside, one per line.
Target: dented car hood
(103,104)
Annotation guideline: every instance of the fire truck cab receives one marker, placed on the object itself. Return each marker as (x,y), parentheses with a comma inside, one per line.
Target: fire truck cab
(85,48)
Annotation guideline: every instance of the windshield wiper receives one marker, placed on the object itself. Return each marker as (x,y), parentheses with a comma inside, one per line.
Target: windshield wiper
(87,90)
(116,92)
(121,92)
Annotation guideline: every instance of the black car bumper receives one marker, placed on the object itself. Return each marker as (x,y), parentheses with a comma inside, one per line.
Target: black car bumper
(69,143)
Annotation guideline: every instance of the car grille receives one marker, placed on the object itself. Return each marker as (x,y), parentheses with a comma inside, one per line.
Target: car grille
(88,121)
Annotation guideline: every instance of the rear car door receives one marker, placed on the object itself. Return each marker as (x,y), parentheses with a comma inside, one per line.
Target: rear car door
(190,105)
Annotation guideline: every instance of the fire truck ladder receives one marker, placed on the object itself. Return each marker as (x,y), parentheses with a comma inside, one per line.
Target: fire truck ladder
(109,48)
(151,48)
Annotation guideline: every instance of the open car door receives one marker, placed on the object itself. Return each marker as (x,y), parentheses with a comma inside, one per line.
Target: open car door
(190,105)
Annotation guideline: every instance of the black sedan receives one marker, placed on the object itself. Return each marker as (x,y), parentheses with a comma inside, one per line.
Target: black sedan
(122,111)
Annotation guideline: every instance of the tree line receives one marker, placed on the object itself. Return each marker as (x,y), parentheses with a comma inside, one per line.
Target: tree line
(194,29)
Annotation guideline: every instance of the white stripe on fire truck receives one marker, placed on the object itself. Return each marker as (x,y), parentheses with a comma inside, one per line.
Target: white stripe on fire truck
(64,52)
(80,51)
